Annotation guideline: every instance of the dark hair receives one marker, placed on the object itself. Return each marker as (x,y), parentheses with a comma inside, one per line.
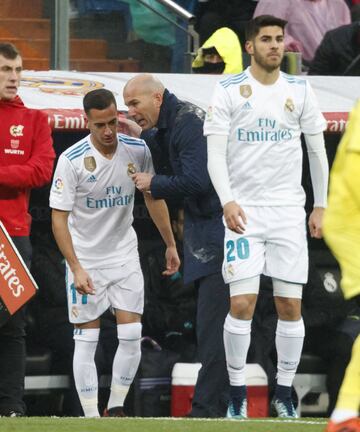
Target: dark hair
(99,99)
(253,26)
(9,51)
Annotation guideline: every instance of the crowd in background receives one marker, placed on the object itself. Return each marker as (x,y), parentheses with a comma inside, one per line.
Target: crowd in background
(309,32)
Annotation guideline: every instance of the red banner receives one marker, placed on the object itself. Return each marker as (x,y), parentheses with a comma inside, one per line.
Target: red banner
(68,119)
(336,121)
(74,120)
(16,283)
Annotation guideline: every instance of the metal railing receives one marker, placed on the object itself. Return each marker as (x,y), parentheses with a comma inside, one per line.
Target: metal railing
(192,35)
(60,31)
(60,49)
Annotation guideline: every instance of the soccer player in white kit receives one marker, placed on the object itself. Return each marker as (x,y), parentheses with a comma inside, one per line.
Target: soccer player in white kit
(92,198)
(253,127)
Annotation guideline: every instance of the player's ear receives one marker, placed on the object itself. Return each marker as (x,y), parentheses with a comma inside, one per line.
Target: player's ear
(249,47)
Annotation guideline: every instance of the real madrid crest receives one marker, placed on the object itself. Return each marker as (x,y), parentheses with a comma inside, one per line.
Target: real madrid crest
(245,90)
(131,169)
(90,163)
(74,312)
(230,270)
(289,105)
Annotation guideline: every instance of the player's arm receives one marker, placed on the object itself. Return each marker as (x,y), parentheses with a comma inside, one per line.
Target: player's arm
(217,166)
(319,171)
(62,235)
(159,214)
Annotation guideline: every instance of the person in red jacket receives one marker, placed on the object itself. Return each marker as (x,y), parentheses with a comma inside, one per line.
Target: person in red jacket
(26,162)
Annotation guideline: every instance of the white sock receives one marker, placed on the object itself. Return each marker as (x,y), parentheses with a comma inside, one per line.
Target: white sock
(126,362)
(340,415)
(289,342)
(236,342)
(85,374)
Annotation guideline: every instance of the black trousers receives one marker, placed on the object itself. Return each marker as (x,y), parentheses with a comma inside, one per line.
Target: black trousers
(212,386)
(13,351)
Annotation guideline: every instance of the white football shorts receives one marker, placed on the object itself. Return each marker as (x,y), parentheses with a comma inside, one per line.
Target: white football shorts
(121,287)
(274,244)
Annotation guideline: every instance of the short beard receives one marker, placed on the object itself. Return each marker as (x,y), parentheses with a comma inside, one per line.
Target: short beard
(266,66)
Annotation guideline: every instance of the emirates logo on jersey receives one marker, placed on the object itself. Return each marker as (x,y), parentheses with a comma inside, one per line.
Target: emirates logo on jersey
(16,130)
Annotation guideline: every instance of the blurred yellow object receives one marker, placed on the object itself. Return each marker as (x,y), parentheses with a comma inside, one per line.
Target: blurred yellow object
(227,44)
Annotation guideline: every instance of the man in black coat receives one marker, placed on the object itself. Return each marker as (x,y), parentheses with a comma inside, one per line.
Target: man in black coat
(173,129)
(339,51)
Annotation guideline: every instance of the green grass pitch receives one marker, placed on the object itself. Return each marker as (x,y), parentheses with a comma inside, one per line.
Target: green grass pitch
(55,424)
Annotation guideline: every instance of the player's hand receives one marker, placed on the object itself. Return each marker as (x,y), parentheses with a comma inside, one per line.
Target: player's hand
(172,261)
(83,282)
(129,127)
(315,222)
(235,217)
(142,181)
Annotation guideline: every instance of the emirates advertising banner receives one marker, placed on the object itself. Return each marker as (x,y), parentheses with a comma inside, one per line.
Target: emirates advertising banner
(17,286)
(60,94)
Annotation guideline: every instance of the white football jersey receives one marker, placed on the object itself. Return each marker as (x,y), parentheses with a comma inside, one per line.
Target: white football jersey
(263,124)
(99,194)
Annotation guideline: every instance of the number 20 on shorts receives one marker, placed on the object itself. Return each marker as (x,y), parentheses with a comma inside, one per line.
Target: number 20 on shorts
(238,249)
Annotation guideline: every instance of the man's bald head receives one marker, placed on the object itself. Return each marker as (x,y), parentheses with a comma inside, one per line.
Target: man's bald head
(146,82)
(143,95)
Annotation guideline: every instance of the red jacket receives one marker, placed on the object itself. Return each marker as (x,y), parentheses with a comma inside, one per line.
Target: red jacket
(26,162)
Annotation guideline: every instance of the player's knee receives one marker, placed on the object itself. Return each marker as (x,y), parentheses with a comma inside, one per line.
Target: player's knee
(288,309)
(287,299)
(129,336)
(242,306)
(243,295)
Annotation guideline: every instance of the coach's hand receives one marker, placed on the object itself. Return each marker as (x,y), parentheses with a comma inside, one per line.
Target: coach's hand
(235,217)
(142,181)
(129,127)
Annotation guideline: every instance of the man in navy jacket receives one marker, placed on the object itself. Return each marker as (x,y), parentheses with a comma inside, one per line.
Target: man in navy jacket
(173,129)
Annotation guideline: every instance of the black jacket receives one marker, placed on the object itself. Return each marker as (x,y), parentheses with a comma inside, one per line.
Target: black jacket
(179,153)
(338,49)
